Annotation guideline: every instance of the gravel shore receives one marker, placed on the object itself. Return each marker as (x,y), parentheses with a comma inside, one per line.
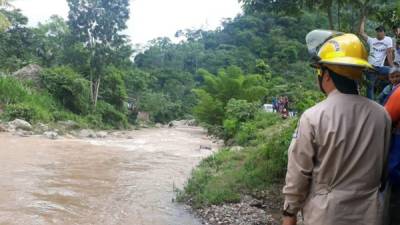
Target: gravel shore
(262,208)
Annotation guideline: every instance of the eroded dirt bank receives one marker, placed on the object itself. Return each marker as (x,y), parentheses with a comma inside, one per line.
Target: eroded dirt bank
(108,181)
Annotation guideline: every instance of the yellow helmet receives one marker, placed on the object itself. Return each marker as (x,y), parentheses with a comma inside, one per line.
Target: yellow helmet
(342,53)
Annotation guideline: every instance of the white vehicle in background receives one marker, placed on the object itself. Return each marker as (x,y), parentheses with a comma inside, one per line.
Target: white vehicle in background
(268,108)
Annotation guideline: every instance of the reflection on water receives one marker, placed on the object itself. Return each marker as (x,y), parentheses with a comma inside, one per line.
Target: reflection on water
(115,181)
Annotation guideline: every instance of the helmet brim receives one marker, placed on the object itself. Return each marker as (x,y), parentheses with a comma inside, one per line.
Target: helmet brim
(348,61)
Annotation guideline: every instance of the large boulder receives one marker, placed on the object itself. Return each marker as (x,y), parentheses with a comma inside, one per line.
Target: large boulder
(19,124)
(30,72)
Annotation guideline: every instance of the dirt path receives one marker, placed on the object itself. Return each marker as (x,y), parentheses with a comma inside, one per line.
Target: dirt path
(112,181)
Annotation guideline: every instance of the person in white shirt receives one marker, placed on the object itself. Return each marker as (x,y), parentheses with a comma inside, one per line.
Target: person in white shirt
(381,48)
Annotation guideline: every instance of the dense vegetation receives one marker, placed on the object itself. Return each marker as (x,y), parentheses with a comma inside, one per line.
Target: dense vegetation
(229,102)
(220,77)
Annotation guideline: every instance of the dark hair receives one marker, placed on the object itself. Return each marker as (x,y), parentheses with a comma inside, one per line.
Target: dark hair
(344,84)
(380,29)
(395,27)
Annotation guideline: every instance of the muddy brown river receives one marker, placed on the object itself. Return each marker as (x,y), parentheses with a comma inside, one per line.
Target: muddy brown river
(109,181)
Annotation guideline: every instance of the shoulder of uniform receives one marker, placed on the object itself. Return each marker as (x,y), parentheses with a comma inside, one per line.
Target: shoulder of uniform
(317,107)
(379,108)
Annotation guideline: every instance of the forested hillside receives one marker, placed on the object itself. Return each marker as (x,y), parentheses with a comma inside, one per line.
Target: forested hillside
(92,77)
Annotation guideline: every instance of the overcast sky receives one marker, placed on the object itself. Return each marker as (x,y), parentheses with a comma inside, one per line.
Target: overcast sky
(149,18)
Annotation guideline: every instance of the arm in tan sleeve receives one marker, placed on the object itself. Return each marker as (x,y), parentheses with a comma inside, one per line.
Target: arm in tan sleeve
(300,167)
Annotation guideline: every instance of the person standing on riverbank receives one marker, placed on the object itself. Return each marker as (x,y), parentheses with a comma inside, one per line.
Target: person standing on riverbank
(380,50)
(338,153)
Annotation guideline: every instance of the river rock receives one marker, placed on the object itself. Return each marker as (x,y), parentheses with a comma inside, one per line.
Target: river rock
(191,123)
(23,133)
(41,128)
(20,124)
(51,135)
(3,128)
(101,134)
(87,133)
(205,147)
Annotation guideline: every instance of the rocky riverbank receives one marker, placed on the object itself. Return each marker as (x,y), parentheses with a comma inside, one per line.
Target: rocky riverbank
(71,129)
(259,209)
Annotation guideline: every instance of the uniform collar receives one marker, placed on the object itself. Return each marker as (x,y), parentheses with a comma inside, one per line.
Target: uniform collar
(333,93)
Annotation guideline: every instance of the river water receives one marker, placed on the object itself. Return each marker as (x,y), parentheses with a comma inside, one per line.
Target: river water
(111,181)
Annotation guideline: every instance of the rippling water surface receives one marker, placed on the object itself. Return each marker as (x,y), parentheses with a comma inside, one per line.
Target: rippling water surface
(110,181)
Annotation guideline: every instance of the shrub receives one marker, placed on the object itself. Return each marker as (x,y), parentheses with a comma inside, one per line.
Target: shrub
(11,91)
(247,132)
(95,121)
(236,113)
(113,89)
(267,161)
(28,112)
(160,107)
(241,110)
(21,111)
(230,128)
(110,116)
(208,110)
(70,88)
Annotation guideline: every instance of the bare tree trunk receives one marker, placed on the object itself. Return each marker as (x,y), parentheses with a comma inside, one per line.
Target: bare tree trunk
(96,91)
(91,85)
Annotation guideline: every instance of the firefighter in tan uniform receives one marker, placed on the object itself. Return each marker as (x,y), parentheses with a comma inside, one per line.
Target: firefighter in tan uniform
(339,151)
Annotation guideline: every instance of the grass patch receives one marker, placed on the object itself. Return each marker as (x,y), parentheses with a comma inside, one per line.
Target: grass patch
(21,100)
(226,175)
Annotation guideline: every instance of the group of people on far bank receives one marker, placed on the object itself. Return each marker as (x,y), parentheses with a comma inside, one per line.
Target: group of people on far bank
(344,159)
(281,105)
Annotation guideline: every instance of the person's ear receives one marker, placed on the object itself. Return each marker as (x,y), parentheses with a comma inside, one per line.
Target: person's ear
(327,76)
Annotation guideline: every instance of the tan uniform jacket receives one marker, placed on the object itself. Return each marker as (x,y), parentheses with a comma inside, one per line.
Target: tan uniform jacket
(336,161)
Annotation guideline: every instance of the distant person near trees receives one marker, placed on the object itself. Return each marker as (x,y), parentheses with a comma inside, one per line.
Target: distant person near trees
(392,105)
(380,49)
(338,154)
(275,104)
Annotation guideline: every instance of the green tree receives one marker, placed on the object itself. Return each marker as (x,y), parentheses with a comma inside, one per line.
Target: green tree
(219,89)
(51,41)
(4,21)
(70,88)
(114,90)
(97,24)
(17,47)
